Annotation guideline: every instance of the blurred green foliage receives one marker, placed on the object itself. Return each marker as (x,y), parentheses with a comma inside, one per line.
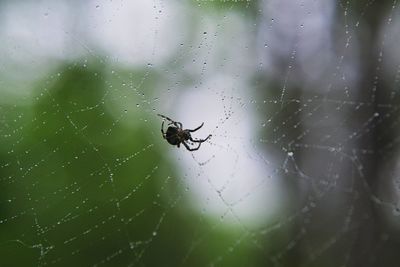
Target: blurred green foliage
(87,187)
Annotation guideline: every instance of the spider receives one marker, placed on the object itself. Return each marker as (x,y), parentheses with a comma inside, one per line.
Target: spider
(176,135)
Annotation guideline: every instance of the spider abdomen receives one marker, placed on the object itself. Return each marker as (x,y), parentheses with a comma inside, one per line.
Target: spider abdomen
(172,136)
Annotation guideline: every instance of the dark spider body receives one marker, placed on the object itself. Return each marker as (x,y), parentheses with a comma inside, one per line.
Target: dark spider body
(176,135)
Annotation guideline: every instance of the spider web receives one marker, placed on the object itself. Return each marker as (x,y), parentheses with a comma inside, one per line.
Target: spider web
(301,99)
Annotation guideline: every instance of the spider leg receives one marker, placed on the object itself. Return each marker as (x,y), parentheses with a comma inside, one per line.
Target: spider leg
(196,128)
(191,149)
(199,140)
(177,124)
(162,130)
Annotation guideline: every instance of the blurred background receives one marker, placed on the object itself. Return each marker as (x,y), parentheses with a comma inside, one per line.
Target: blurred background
(301,98)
